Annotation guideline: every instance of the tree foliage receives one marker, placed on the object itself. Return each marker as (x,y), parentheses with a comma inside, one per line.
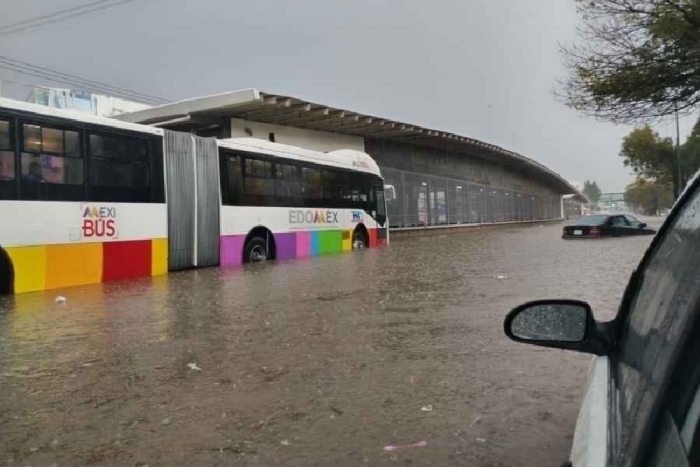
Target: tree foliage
(636,59)
(649,155)
(591,190)
(690,153)
(649,197)
(654,158)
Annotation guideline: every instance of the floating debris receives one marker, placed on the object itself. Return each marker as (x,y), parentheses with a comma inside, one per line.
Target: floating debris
(396,447)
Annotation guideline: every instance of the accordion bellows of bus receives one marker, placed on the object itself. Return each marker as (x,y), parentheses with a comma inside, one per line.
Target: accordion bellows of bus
(86,199)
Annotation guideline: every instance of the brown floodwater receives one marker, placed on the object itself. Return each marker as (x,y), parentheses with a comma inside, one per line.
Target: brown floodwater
(309,362)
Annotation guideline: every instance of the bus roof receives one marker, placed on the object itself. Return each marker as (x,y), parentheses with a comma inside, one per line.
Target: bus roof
(345,158)
(77,116)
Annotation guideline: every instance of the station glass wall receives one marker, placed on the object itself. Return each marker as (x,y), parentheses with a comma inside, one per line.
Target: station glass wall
(423,200)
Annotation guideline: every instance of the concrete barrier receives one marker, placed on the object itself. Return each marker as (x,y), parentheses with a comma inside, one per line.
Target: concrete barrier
(438,229)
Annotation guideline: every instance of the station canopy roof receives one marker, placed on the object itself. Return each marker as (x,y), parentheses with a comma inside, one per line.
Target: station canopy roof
(254,105)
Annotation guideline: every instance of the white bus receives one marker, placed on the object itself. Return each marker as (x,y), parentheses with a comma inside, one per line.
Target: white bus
(85,199)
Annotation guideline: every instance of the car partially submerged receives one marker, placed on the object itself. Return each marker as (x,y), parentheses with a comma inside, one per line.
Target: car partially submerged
(606,225)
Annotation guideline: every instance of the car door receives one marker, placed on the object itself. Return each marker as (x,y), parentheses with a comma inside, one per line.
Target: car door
(619,226)
(652,363)
(635,226)
(633,222)
(676,440)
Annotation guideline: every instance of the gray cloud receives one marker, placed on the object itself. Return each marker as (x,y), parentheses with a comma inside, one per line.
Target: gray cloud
(482,68)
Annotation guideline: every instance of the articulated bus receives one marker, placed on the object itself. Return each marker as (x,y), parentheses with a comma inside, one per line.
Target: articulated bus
(86,199)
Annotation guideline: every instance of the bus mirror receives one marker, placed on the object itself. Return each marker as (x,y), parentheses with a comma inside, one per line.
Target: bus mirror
(389,192)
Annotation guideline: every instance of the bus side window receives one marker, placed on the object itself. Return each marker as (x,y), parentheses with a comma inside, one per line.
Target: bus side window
(311,187)
(234,180)
(7,160)
(258,180)
(315,184)
(119,169)
(286,182)
(51,164)
(333,183)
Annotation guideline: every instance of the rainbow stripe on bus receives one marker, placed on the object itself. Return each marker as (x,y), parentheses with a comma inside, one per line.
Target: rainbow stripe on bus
(42,267)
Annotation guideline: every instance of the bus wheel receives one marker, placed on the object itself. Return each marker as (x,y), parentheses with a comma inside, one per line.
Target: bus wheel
(256,250)
(358,240)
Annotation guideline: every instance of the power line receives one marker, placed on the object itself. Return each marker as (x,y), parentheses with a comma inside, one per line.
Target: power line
(58,16)
(73,83)
(4,80)
(45,70)
(80,86)
(65,78)
(60,81)
(50,15)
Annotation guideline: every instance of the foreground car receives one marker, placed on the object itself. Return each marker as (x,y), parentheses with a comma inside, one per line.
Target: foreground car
(642,405)
(606,225)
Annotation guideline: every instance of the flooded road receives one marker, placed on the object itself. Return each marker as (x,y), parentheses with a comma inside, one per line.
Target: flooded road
(309,362)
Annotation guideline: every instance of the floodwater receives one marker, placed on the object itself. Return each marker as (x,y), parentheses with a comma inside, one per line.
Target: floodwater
(322,361)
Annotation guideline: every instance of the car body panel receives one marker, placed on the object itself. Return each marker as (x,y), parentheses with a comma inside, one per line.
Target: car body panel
(590,447)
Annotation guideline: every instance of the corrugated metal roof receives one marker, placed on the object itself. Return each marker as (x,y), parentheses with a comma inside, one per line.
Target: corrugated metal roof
(254,105)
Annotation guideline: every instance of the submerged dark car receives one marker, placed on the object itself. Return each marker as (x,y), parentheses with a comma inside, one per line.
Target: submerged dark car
(606,225)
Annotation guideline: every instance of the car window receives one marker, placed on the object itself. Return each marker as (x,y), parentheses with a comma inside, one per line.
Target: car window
(632,221)
(668,295)
(619,221)
(677,437)
(592,220)
(668,449)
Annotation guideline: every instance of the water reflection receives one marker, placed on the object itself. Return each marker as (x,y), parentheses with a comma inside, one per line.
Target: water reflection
(335,354)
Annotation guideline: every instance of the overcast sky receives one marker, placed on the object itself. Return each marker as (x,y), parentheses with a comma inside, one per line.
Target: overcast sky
(480,68)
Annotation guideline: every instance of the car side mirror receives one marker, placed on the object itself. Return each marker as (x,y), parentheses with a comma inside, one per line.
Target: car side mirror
(642,225)
(563,324)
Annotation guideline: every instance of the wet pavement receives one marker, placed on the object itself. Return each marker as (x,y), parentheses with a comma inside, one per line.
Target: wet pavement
(309,362)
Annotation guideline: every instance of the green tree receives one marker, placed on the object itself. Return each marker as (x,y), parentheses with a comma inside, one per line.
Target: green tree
(651,157)
(648,197)
(591,190)
(636,59)
(690,153)
(655,158)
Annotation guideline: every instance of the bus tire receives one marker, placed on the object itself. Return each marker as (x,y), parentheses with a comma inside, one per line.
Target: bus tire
(359,239)
(256,250)
(7,274)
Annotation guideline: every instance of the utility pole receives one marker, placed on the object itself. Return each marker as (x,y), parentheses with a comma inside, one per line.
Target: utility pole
(679,187)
